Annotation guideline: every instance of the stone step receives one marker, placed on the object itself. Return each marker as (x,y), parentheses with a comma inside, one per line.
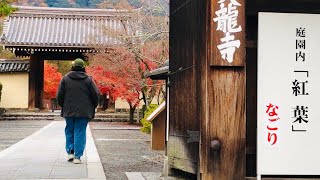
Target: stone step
(13,118)
(111,117)
(56,114)
(57,119)
(28,115)
(114,116)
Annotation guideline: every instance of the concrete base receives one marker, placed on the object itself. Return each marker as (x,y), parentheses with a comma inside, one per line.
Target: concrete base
(167,171)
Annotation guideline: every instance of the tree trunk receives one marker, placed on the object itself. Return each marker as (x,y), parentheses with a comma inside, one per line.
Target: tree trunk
(111,105)
(144,96)
(102,106)
(131,117)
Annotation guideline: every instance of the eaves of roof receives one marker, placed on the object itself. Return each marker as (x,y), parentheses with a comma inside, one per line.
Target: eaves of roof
(14,66)
(160,73)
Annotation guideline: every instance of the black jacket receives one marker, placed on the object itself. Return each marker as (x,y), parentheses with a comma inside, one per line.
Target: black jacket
(77,95)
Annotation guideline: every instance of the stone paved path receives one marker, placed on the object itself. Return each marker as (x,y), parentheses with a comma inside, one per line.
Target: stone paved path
(42,156)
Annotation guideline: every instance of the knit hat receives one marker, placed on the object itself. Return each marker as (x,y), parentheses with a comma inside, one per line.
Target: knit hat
(78,62)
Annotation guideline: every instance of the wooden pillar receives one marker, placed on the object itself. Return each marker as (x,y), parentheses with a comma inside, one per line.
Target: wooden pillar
(32,81)
(40,84)
(36,82)
(223,97)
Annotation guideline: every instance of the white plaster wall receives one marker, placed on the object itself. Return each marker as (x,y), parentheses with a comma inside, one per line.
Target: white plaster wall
(121,104)
(15,89)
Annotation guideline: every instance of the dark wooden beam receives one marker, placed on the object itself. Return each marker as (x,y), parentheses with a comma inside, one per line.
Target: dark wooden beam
(40,83)
(251,94)
(61,55)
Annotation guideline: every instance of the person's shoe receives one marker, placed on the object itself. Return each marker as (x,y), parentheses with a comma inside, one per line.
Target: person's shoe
(70,157)
(76,161)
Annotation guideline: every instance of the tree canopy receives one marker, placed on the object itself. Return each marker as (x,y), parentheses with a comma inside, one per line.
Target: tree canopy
(6,8)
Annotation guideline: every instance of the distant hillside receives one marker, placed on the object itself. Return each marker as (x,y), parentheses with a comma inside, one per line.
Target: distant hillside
(89,3)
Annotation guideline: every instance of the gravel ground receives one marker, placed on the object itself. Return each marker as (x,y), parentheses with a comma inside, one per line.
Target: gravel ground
(122,150)
(12,132)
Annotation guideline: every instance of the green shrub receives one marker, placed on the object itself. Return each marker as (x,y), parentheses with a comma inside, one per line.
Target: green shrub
(146,125)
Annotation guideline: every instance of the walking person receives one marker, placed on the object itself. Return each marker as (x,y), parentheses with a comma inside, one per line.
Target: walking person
(78,97)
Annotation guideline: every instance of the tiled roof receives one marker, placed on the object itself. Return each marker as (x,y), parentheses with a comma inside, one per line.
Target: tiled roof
(161,72)
(61,27)
(11,66)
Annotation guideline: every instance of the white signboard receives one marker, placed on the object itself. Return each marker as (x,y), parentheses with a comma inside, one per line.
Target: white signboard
(288,136)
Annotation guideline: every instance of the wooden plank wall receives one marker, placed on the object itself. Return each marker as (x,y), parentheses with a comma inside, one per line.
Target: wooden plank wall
(206,98)
(186,43)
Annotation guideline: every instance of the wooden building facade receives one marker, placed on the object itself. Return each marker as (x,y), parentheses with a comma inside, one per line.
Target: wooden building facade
(211,97)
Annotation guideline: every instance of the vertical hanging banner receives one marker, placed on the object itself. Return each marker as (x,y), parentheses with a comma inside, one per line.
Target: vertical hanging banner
(227,33)
(288,127)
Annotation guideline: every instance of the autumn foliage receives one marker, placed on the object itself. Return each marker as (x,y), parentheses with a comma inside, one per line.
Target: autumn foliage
(51,80)
(119,82)
(121,74)
(116,86)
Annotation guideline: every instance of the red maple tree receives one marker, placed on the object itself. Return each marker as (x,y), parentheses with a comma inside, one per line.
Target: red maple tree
(51,80)
(124,77)
(103,78)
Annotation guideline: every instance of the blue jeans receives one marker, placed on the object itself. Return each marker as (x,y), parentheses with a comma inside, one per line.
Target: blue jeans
(75,132)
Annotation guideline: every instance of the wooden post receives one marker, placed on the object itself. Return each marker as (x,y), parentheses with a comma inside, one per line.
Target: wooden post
(32,81)
(222,107)
(36,82)
(40,84)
